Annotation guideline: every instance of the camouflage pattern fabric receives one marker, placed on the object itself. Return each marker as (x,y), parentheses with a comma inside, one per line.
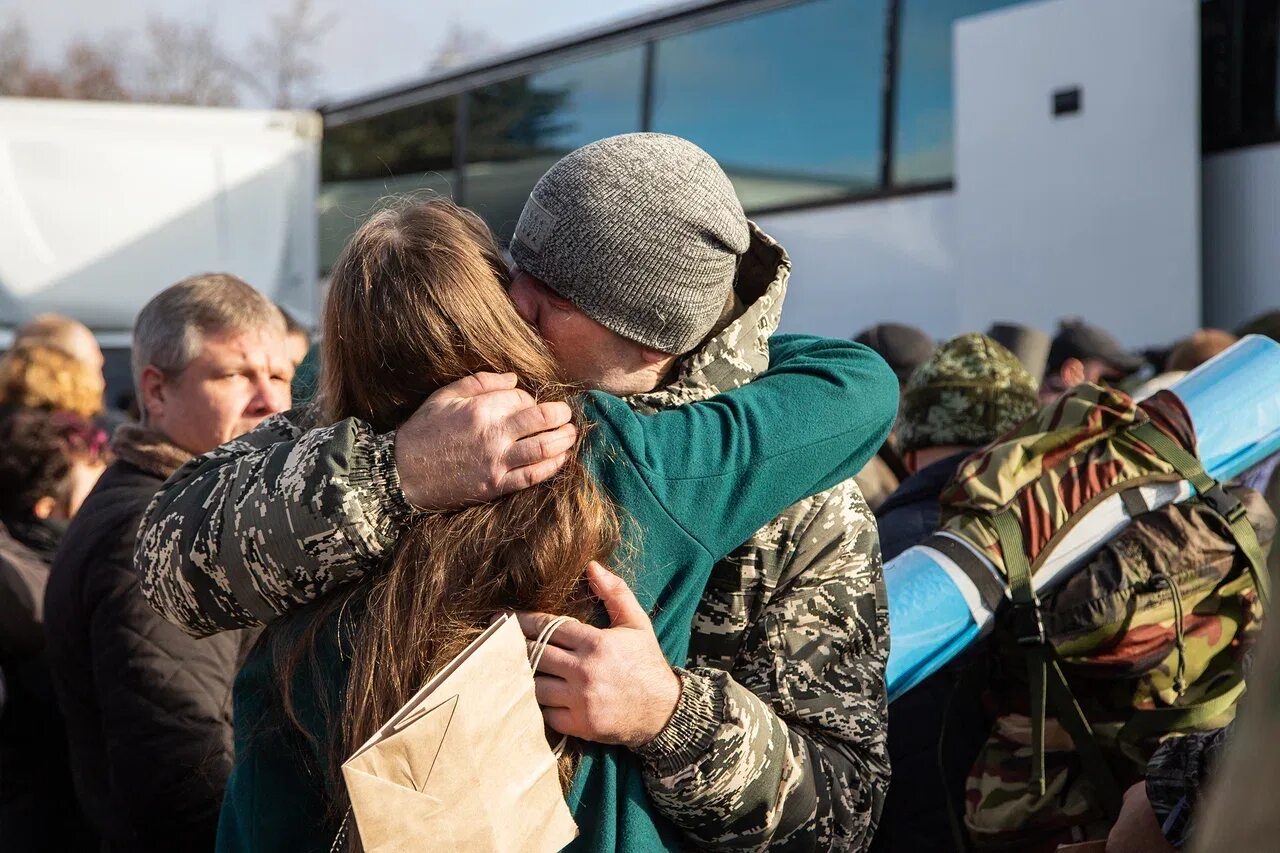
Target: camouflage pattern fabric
(1056,462)
(1114,630)
(970,392)
(1154,624)
(779,737)
(326,499)
(785,691)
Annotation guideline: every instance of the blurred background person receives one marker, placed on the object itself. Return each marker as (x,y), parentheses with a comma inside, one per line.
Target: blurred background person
(970,393)
(48,463)
(297,339)
(63,333)
(1027,343)
(304,357)
(1185,356)
(1267,323)
(55,363)
(1082,353)
(1198,348)
(147,708)
(904,348)
(35,375)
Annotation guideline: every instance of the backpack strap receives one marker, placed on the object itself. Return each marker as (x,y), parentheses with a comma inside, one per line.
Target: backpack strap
(1047,683)
(1150,722)
(1216,497)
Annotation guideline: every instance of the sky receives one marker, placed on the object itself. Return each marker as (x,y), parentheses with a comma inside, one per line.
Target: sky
(373,43)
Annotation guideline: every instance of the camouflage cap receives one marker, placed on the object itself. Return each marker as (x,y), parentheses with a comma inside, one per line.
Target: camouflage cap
(970,392)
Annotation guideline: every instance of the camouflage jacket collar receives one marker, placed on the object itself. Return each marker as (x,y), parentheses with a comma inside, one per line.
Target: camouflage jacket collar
(737,353)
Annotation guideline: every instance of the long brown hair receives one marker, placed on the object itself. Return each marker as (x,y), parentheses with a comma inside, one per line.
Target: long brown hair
(417,300)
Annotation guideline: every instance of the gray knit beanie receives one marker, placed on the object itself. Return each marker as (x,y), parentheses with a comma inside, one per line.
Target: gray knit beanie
(642,232)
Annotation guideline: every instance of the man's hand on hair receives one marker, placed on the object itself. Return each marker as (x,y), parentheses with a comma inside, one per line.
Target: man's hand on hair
(480,438)
(610,685)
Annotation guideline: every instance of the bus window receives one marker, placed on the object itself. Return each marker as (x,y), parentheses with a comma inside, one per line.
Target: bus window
(406,151)
(1239,70)
(518,128)
(922,143)
(788,101)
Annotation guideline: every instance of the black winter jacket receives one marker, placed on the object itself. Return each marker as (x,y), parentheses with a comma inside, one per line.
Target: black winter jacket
(937,728)
(909,515)
(147,708)
(38,810)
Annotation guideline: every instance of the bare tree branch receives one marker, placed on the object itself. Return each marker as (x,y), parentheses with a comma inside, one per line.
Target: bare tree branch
(186,65)
(283,59)
(95,72)
(15,57)
(462,45)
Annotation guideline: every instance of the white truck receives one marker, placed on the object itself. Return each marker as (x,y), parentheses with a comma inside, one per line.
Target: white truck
(103,205)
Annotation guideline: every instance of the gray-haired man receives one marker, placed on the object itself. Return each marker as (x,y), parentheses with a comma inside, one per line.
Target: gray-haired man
(147,708)
(637,265)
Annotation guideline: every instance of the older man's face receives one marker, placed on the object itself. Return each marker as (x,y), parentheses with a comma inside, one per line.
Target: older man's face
(237,380)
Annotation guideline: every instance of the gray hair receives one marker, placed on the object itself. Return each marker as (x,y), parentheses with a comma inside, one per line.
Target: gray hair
(169,332)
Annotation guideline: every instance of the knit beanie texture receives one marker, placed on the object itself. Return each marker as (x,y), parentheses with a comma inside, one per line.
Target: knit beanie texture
(642,232)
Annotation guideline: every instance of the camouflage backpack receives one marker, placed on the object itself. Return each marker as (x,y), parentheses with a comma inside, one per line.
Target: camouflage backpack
(1142,642)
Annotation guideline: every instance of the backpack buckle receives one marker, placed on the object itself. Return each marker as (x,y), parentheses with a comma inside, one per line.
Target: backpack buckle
(1224,503)
(1028,625)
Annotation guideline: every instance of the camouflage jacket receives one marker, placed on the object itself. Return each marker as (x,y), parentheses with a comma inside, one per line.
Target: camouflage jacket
(778,740)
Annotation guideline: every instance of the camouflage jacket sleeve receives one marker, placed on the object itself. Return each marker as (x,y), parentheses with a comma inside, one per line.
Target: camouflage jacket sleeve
(268,522)
(789,751)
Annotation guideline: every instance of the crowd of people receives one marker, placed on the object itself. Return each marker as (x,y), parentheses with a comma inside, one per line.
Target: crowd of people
(208,603)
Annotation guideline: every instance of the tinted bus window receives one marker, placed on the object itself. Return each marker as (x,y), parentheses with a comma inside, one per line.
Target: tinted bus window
(406,151)
(1239,72)
(922,138)
(788,101)
(518,128)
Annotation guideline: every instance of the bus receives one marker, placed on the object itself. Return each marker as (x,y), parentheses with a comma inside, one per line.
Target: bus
(897,149)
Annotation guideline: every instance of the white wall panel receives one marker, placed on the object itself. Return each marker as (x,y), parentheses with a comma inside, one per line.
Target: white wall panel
(1094,213)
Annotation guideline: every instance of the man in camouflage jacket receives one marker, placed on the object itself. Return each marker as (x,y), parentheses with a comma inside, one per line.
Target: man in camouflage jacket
(778,738)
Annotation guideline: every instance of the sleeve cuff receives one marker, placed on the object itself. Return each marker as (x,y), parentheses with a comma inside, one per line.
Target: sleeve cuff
(691,731)
(383,477)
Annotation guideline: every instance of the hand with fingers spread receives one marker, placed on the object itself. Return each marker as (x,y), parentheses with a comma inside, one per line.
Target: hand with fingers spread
(479,438)
(608,685)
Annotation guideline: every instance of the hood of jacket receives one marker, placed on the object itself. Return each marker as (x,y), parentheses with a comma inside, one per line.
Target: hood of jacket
(733,354)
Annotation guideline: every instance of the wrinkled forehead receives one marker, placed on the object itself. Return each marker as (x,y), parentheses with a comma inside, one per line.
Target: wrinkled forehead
(261,345)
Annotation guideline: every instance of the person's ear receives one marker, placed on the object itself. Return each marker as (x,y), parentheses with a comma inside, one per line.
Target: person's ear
(44,508)
(151,393)
(1072,373)
(654,356)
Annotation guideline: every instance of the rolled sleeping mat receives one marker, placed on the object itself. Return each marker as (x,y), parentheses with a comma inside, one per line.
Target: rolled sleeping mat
(936,611)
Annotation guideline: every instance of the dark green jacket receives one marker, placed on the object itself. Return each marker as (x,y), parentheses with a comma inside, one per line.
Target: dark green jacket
(697,480)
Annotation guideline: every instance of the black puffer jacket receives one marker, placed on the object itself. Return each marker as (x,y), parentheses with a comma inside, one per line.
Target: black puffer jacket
(147,708)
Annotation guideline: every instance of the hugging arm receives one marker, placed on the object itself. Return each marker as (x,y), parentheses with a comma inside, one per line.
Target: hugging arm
(274,519)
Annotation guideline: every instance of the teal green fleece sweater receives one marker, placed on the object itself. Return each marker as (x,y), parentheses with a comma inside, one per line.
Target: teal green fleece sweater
(693,483)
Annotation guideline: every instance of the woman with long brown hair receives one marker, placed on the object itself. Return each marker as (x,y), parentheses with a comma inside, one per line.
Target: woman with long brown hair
(417,300)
